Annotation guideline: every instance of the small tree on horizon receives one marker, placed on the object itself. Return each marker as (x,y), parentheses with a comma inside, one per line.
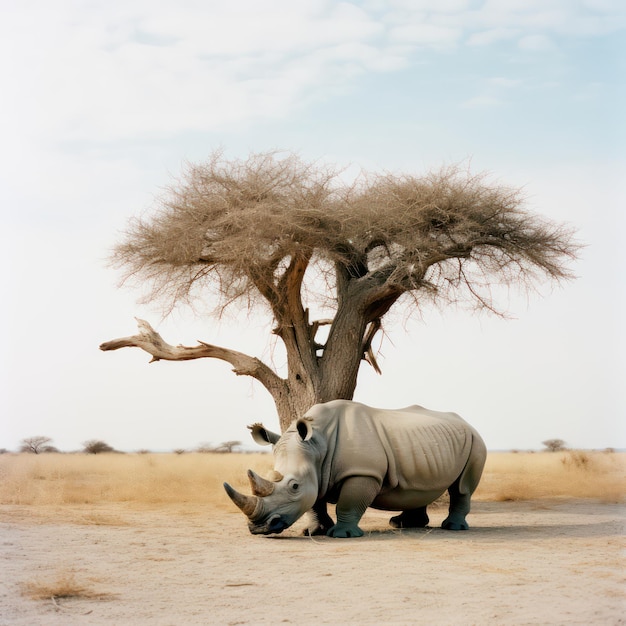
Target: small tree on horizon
(278,234)
(554,445)
(37,445)
(227,446)
(96,446)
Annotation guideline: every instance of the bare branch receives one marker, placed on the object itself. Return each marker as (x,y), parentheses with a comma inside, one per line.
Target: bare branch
(317,323)
(368,352)
(151,342)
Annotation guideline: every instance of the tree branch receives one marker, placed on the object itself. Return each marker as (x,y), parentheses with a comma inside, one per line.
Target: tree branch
(151,342)
(368,352)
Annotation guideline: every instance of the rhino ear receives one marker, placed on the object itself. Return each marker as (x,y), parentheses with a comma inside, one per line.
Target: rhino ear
(263,436)
(305,428)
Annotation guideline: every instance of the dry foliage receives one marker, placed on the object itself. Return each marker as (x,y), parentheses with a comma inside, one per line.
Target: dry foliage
(62,585)
(171,480)
(570,474)
(143,479)
(240,226)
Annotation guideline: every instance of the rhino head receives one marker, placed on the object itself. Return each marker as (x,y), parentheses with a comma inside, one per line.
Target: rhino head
(292,488)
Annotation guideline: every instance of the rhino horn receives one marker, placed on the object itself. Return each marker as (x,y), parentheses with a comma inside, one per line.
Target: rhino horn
(260,486)
(247,504)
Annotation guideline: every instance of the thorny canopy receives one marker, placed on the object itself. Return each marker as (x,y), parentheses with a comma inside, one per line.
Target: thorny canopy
(271,226)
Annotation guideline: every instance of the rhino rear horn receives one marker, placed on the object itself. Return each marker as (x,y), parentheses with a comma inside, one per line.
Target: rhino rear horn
(275,476)
(247,504)
(260,486)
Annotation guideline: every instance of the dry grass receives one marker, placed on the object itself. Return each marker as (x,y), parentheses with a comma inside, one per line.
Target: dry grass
(196,479)
(62,585)
(570,474)
(145,479)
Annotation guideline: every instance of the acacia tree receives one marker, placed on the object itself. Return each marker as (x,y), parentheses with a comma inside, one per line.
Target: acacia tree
(96,446)
(276,231)
(554,445)
(37,445)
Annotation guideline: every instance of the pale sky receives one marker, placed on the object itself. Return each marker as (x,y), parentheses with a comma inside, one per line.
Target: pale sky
(103,102)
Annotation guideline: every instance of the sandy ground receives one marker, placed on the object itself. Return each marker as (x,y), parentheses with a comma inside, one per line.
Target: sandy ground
(539,562)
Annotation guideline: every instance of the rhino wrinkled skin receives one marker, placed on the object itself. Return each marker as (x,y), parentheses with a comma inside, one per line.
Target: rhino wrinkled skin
(356,456)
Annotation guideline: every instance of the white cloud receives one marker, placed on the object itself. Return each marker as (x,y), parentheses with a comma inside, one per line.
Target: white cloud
(117,72)
(492,93)
(505,82)
(242,28)
(421,34)
(481,102)
(136,69)
(536,43)
(563,17)
(492,35)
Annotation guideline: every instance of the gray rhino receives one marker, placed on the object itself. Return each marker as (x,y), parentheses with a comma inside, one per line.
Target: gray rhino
(356,456)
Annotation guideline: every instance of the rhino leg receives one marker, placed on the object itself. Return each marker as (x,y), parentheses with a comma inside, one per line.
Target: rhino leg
(459,508)
(357,493)
(415,518)
(320,522)
(464,486)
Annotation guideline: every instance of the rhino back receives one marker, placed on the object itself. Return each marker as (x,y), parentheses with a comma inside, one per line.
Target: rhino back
(425,450)
(412,448)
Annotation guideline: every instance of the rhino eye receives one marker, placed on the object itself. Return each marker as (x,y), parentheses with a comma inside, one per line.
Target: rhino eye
(294,486)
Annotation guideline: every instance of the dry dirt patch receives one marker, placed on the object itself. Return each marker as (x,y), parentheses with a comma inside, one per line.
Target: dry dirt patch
(537,562)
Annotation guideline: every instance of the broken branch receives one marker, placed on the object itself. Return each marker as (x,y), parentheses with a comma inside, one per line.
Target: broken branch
(368,352)
(151,342)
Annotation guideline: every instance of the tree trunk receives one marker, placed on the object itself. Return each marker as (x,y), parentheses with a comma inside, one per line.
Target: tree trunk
(342,356)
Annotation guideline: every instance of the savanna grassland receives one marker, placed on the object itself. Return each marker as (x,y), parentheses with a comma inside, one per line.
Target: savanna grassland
(153,539)
(168,480)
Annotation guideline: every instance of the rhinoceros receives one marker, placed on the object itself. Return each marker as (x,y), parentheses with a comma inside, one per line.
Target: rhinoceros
(355,456)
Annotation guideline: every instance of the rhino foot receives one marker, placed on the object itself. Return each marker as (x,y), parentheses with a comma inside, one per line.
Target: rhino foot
(345,531)
(415,518)
(450,524)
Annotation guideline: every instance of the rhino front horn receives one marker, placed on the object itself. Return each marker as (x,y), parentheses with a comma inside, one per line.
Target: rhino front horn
(247,504)
(260,486)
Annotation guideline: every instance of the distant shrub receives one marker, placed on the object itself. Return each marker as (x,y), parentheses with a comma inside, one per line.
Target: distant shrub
(554,445)
(96,446)
(228,446)
(223,448)
(576,458)
(37,445)
(180,451)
